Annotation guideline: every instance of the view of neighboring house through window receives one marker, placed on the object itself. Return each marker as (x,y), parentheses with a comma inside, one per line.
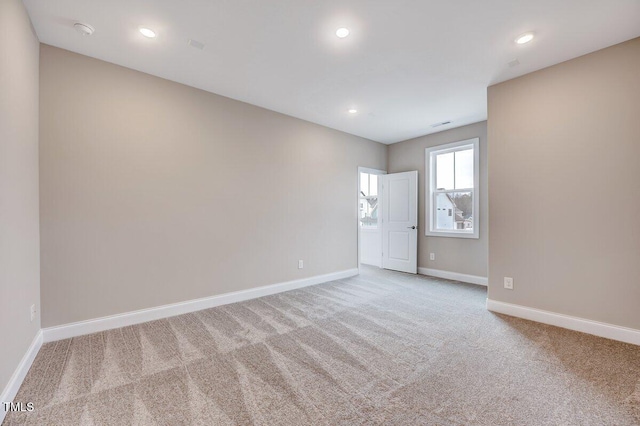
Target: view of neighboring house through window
(368,200)
(452,182)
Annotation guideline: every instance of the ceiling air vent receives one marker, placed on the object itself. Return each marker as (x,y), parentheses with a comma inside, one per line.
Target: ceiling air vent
(195,43)
(441,124)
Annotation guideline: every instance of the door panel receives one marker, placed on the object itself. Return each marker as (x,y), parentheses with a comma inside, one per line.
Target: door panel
(399,245)
(400,222)
(398,196)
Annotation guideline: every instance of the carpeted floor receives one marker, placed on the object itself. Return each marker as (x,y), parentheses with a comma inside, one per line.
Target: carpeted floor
(380,348)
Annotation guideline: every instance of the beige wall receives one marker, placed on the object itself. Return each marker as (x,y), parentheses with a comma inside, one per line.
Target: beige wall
(460,255)
(565,187)
(19,234)
(153,192)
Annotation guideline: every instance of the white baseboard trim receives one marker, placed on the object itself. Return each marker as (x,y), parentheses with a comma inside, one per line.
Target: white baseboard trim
(66,331)
(472,279)
(601,329)
(10,391)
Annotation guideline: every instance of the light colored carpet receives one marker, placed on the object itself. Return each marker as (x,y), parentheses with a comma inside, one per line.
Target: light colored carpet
(380,348)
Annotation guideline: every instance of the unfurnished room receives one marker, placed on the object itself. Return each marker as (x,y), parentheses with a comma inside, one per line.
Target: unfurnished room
(320,213)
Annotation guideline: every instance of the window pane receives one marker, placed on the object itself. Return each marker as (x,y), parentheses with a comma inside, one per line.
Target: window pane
(464,168)
(444,171)
(364,184)
(373,185)
(454,211)
(369,212)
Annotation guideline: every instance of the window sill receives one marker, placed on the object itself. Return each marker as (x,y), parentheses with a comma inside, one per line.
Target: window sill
(473,236)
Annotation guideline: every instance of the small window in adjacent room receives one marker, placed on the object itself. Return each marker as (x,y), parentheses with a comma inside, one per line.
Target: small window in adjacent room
(368,200)
(452,189)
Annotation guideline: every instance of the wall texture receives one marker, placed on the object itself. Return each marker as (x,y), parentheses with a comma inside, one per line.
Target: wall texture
(460,255)
(19,229)
(565,187)
(153,192)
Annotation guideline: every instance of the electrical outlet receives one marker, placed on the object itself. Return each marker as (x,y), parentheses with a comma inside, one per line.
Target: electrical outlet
(432,256)
(508,283)
(300,264)
(33,312)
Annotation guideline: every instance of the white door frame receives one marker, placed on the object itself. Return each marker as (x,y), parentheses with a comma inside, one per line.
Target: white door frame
(374,172)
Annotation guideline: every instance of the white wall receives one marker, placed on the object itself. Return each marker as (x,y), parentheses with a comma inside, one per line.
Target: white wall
(153,192)
(564,158)
(458,255)
(19,229)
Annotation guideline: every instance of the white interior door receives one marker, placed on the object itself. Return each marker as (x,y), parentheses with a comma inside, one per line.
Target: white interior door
(400,222)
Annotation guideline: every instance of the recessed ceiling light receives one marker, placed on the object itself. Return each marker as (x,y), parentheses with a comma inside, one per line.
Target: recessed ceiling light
(84,29)
(147,32)
(352,111)
(524,38)
(342,32)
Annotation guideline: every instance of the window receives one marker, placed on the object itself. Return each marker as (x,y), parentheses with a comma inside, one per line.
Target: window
(368,200)
(452,189)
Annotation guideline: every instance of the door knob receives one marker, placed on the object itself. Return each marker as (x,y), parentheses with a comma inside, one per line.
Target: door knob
(411,227)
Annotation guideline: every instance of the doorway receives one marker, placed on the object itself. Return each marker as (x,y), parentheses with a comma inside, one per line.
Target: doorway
(369,208)
(387,219)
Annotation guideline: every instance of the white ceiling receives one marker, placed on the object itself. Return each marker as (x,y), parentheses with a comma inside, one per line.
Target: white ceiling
(406,65)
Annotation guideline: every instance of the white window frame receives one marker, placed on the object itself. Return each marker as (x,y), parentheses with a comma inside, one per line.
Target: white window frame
(430,190)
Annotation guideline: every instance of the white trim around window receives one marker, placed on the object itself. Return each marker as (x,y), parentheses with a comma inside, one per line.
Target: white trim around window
(431,191)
